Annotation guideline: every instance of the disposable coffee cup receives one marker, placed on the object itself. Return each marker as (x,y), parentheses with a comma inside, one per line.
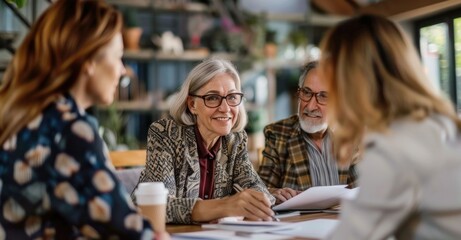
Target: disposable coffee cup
(151,198)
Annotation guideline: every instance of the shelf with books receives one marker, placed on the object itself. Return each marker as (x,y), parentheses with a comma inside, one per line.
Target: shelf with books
(137,105)
(161,62)
(187,55)
(155,5)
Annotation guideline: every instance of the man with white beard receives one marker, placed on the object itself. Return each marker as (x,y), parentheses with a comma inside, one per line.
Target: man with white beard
(298,151)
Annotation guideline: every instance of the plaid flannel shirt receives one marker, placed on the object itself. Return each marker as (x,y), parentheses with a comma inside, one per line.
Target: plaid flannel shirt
(285,160)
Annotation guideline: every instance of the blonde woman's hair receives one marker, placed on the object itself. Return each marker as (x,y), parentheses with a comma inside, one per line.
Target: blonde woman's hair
(374,77)
(51,58)
(199,76)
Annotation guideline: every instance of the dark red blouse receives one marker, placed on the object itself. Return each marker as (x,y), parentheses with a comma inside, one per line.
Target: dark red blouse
(207,165)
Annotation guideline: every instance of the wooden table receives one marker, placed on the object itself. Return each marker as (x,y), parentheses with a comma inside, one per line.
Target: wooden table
(174,228)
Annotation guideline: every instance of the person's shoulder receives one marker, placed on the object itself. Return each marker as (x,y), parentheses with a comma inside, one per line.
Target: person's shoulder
(169,128)
(235,138)
(286,125)
(82,126)
(416,140)
(239,134)
(164,123)
(63,113)
(286,122)
(434,128)
(71,129)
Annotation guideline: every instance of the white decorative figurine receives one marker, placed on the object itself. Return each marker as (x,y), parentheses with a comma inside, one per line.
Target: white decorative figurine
(169,43)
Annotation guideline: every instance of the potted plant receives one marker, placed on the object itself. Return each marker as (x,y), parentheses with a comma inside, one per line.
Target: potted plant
(270,47)
(18,3)
(132,31)
(299,40)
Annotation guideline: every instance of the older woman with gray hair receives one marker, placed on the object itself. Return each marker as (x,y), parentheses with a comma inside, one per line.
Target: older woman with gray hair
(200,152)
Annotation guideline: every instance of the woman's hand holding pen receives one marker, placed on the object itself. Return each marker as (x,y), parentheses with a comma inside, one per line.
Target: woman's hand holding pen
(251,204)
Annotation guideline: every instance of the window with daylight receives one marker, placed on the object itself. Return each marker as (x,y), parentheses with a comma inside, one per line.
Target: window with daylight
(440,48)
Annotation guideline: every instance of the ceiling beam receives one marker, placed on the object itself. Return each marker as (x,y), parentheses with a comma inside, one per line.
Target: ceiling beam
(401,10)
(335,7)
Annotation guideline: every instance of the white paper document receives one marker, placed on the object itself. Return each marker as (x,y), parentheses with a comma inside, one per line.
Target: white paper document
(226,235)
(249,226)
(321,197)
(287,214)
(318,229)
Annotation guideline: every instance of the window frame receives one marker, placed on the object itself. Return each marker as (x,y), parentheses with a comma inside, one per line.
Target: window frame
(448,18)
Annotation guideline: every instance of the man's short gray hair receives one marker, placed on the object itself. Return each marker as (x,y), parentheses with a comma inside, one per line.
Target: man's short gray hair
(305,70)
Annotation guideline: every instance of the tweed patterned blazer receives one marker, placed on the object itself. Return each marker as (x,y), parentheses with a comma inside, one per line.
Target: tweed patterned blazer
(285,160)
(172,158)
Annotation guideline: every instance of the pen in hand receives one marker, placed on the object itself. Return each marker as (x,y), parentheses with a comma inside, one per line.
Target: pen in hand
(238,188)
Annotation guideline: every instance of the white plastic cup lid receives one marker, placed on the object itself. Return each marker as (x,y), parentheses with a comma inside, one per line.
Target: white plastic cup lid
(149,193)
(150,188)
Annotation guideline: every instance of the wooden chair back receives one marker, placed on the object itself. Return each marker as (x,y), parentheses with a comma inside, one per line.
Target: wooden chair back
(128,159)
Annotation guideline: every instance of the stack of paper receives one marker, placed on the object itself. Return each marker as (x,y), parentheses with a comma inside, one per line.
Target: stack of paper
(318,228)
(226,235)
(249,226)
(313,198)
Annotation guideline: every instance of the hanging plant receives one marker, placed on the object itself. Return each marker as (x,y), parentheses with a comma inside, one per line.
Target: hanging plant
(18,3)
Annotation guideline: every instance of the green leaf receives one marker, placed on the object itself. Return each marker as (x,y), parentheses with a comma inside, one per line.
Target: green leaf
(18,3)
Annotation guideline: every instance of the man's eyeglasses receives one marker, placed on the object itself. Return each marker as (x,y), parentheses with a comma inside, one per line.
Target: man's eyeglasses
(215,100)
(306,95)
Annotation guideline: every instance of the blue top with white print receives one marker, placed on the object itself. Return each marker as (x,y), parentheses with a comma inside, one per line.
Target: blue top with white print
(56,182)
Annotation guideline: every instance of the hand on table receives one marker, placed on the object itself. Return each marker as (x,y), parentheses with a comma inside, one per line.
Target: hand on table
(283,194)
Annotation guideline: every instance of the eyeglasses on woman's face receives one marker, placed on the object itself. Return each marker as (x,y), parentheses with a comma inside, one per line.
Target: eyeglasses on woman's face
(306,95)
(215,100)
